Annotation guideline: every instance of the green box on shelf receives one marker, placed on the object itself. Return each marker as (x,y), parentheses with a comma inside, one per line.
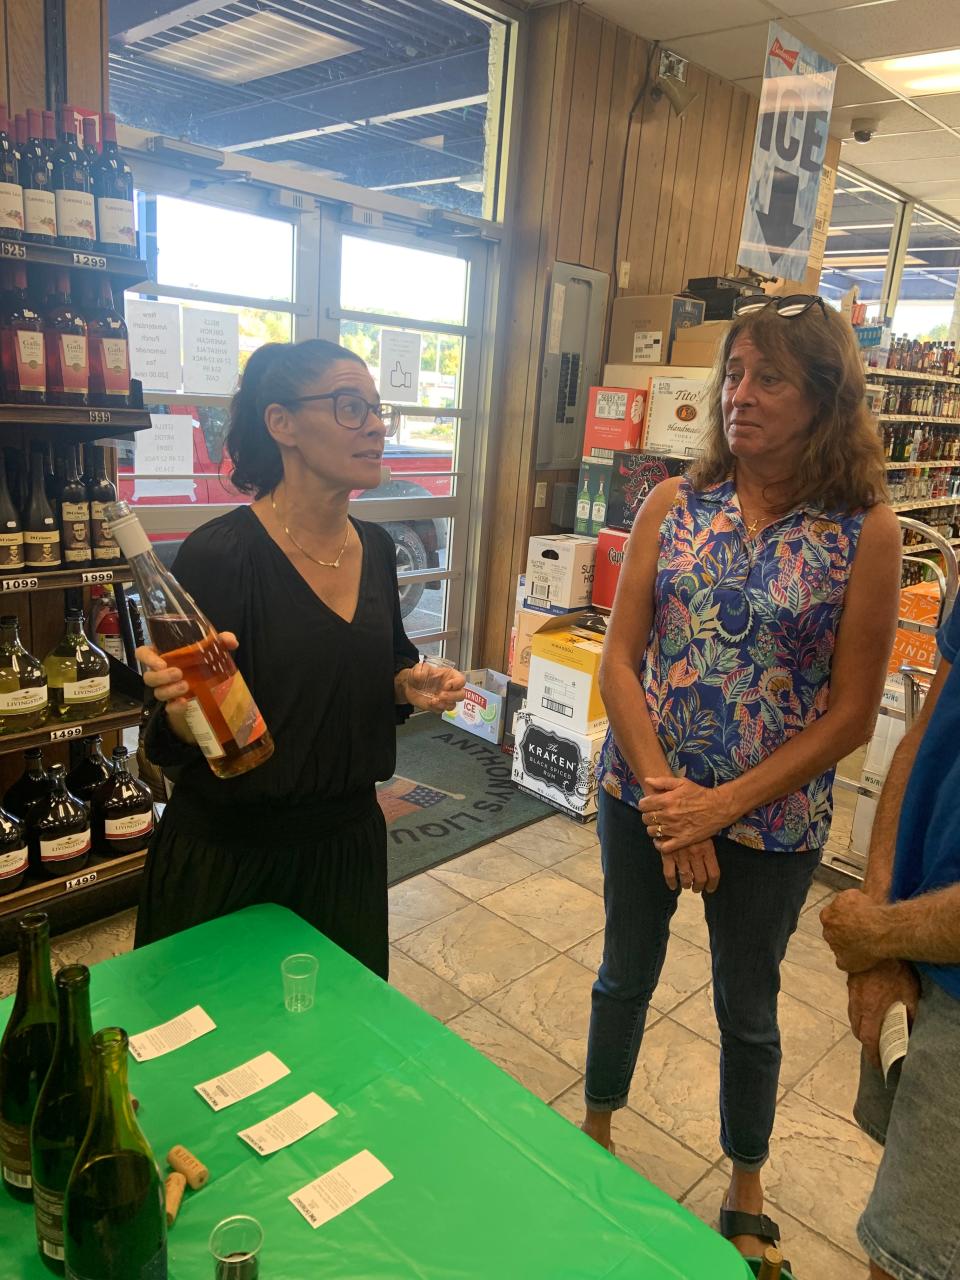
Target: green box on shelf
(593,495)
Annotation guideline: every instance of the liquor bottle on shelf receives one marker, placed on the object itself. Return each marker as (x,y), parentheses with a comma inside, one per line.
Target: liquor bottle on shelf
(73,187)
(115,1225)
(36,178)
(222,715)
(109,349)
(91,773)
(23,682)
(74,516)
(88,136)
(30,791)
(11,530)
(22,356)
(41,536)
(62,1113)
(25,1052)
(11,192)
(62,829)
(65,339)
(14,855)
(102,492)
(113,188)
(78,673)
(122,810)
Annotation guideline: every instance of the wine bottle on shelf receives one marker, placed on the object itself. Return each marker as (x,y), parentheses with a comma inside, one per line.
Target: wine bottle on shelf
(102,492)
(62,829)
(14,854)
(222,715)
(11,530)
(36,178)
(109,349)
(62,1114)
(65,341)
(88,136)
(49,133)
(20,135)
(113,188)
(50,478)
(123,810)
(23,683)
(74,516)
(73,187)
(41,536)
(115,1225)
(30,790)
(91,773)
(25,1051)
(21,342)
(11,192)
(78,673)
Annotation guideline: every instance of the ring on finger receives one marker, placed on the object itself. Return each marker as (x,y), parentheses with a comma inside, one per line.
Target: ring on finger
(659,832)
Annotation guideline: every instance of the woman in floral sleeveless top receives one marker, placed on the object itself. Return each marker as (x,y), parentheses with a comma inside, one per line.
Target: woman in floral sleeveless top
(745,656)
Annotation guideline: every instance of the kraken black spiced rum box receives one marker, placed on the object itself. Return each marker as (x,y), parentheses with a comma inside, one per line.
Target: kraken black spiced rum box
(556,764)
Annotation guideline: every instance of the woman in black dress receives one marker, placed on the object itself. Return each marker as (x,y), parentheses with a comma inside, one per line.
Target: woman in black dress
(308,598)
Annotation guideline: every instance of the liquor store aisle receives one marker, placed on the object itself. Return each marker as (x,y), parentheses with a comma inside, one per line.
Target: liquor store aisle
(502,945)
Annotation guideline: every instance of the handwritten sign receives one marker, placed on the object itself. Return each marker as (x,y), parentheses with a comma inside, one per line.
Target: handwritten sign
(165,450)
(211,351)
(154,329)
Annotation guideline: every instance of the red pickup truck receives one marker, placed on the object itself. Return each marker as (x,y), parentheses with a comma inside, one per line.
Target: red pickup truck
(421,544)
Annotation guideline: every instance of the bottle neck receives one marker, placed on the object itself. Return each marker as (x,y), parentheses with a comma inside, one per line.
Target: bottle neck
(112,1122)
(75,1026)
(36,475)
(35,985)
(10,636)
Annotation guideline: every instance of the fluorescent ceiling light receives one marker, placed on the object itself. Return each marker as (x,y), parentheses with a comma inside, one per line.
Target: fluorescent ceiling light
(920,73)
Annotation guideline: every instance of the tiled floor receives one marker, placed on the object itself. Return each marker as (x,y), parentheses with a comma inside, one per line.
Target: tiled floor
(502,945)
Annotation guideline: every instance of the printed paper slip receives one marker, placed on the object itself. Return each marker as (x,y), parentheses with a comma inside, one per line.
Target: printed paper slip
(171,1035)
(894,1036)
(249,1078)
(289,1125)
(341,1188)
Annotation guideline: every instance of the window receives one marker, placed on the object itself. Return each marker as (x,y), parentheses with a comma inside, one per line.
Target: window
(928,306)
(860,242)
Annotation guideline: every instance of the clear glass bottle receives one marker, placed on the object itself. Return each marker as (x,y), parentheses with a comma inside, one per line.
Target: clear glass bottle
(63,830)
(78,673)
(23,682)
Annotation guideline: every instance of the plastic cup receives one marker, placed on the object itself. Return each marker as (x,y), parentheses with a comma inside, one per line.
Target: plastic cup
(235,1244)
(434,674)
(299,982)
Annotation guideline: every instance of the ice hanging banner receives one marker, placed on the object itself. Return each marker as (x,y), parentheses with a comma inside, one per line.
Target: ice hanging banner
(788,154)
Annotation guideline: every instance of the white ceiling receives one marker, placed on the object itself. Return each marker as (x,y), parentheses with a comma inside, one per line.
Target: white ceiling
(916,147)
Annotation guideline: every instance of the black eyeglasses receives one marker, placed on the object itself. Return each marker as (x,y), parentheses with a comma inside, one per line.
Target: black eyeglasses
(795,304)
(352,411)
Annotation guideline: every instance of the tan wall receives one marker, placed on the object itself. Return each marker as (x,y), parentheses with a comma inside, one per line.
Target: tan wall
(683,195)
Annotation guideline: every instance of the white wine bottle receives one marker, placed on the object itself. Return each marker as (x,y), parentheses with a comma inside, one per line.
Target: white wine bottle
(23,682)
(78,673)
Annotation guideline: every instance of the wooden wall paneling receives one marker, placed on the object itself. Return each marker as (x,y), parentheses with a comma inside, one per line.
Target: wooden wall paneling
(740,196)
(598,148)
(728,180)
(709,180)
(26,66)
(4,81)
(653,129)
(684,186)
(85,42)
(654,283)
(579,139)
(628,65)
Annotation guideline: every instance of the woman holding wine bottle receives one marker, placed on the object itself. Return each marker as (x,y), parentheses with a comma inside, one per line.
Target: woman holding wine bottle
(308,597)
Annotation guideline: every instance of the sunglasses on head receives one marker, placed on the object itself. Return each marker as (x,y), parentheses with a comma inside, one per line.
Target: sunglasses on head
(795,304)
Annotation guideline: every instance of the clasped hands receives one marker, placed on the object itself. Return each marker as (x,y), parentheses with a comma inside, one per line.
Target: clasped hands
(682,818)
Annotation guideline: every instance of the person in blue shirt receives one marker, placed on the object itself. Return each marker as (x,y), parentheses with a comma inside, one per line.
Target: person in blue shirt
(899,940)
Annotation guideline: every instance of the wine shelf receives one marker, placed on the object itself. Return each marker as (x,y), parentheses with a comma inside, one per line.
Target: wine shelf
(65,424)
(132,271)
(928,546)
(918,417)
(904,376)
(62,897)
(124,713)
(918,504)
(907,466)
(60,580)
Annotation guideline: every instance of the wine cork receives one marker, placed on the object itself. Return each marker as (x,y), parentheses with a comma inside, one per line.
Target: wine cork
(185,1162)
(174,1187)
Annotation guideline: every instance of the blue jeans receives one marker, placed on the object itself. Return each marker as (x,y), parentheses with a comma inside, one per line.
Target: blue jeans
(750,918)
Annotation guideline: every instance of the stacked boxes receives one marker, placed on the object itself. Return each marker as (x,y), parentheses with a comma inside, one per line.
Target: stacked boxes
(643,328)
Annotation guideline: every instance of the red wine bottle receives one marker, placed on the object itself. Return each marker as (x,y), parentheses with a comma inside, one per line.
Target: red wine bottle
(109,350)
(65,340)
(74,515)
(14,855)
(113,188)
(73,187)
(86,779)
(36,178)
(31,789)
(41,533)
(11,530)
(21,342)
(123,810)
(11,192)
(102,492)
(63,829)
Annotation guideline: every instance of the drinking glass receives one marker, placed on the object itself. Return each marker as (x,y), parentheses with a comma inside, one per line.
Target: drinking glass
(433,672)
(235,1244)
(299,982)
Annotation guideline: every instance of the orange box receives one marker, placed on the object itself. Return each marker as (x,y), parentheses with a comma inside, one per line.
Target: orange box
(919,603)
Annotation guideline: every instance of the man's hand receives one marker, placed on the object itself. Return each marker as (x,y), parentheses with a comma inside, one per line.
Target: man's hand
(696,867)
(871,994)
(852,925)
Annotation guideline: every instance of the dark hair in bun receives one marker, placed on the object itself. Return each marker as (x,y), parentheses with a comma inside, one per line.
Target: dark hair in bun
(276,373)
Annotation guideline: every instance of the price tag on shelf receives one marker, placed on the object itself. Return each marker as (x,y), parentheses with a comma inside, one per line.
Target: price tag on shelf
(61,735)
(90,260)
(100,417)
(10,249)
(20,584)
(80,882)
(90,577)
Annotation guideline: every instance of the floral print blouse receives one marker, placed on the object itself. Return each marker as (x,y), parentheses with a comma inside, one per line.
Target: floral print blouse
(740,651)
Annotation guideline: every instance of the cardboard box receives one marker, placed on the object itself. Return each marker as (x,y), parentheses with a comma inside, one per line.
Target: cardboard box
(699,345)
(516,701)
(919,603)
(557,765)
(611,549)
(483,709)
(560,570)
(614,420)
(593,495)
(528,621)
(643,327)
(564,684)
(632,476)
(676,416)
(639,375)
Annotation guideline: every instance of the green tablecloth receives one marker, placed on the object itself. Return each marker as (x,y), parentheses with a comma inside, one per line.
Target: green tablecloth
(487,1181)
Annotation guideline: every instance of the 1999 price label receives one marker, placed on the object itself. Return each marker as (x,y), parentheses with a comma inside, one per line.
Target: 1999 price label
(78,882)
(60,735)
(90,577)
(19,584)
(89,260)
(99,416)
(8,249)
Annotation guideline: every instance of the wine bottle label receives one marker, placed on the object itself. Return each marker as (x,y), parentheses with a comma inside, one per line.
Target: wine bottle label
(21,701)
(11,864)
(75,523)
(239,709)
(41,547)
(40,212)
(76,215)
(15,1154)
(91,690)
(125,828)
(113,361)
(63,847)
(11,206)
(11,550)
(104,544)
(74,362)
(110,644)
(202,731)
(116,222)
(31,368)
(48,1210)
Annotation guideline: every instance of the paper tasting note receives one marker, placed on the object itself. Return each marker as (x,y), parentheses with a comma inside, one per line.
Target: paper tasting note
(249,1078)
(171,1035)
(894,1036)
(289,1125)
(341,1188)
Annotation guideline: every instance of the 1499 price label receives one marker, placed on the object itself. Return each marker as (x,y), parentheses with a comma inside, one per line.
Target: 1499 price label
(98,417)
(90,577)
(8,249)
(90,260)
(19,584)
(78,882)
(72,731)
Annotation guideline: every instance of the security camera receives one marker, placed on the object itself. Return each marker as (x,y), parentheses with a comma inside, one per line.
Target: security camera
(863,129)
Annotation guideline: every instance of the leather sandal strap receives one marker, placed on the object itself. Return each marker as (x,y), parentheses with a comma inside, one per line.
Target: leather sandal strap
(734,1222)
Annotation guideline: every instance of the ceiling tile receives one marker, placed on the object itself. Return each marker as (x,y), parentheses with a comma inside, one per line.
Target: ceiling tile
(798,8)
(897,118)
(731,54)
(947,188)
(667,20)
(854,88)
(889,30)
(945,106)
(901,172)
(903,147)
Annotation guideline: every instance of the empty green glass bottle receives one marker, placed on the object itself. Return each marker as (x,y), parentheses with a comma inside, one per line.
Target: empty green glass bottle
(62,1115)
(114,1220)
(25,1052)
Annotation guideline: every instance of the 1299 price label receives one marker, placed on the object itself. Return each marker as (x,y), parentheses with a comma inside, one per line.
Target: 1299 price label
(61,735)
(8,249)
(78,882)
(90,577)
(98,417)
(90,260)
(19,584)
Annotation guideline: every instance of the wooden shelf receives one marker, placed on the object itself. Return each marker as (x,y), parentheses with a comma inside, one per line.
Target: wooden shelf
(61,579)
(132,271)
(907,466)
(65,424)
(928,546)
(911,377)
(124,713)
(104,886)
(917,417)
(97,870)
(917,504)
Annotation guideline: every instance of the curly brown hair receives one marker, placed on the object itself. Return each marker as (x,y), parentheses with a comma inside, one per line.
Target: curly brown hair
(842,467)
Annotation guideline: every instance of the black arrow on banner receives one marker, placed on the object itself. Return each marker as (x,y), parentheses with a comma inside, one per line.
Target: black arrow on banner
(777,224)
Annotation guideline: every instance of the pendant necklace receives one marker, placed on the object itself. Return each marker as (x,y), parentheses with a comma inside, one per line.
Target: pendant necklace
(326,564)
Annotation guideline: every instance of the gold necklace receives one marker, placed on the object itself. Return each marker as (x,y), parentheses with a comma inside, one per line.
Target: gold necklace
(326,564)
